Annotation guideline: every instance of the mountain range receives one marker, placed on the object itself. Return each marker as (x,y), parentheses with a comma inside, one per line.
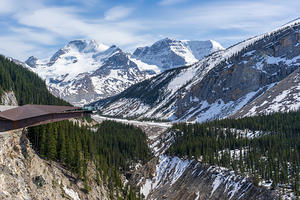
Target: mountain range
(220,85)
(84,71)
(193,81)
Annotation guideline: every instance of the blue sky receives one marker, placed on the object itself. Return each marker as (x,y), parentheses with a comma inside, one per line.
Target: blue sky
(40,27)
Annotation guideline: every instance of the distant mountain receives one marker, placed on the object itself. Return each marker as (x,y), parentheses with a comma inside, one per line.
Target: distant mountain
(218,85)
(84,71)
(169,53)
(19,86)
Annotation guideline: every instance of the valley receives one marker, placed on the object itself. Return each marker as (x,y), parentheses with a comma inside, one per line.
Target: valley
(105,104)
(152,129)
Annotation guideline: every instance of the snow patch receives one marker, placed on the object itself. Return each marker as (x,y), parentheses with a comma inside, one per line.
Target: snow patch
(169,169)
(145,190)
(71,193)
(181,79)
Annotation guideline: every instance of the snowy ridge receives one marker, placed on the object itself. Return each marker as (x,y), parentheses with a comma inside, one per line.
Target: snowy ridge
(238,47)
(129,107)
(219,109)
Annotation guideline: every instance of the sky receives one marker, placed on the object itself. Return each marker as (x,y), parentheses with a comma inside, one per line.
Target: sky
(41,27)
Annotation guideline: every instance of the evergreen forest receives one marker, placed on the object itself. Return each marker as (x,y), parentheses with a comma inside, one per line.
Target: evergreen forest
(264,147)
(114,148)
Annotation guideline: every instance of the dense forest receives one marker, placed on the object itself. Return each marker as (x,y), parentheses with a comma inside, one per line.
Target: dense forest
(264,147)
(113,148)
(27,86)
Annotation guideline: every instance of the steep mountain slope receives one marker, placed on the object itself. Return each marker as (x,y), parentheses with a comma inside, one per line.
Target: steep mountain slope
(218,85)
(283,97)
(169,53)
(21,86)
(177,178)
(84,71)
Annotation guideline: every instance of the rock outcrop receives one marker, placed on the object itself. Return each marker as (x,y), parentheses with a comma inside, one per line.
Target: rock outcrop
(283,97)
(24,175)
(9,99)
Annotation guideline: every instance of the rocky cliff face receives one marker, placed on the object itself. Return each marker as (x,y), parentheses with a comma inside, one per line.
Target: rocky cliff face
(218,85)
(9,99)
(244,76)
(283,97)
(24,175)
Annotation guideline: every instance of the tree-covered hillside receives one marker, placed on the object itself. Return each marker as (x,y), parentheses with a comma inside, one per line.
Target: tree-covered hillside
(113,148)
(264,147)
(27,86)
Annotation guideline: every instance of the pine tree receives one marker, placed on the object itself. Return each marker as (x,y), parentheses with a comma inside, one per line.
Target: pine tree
(51,147)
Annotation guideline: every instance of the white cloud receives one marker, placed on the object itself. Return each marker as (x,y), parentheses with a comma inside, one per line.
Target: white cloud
(65,23)
(12,6)
(6,6)
(226,22)
(170,2)
(36,25)
(47,26)
(36,36)
(118,12)
(18,48)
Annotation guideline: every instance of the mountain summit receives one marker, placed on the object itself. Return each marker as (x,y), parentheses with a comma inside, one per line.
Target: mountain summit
(84,71)
(169,53)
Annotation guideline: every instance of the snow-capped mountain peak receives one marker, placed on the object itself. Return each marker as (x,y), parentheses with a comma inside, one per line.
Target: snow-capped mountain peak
(86,46)
(80,47)
(85,70)
(81,56)
(169,53)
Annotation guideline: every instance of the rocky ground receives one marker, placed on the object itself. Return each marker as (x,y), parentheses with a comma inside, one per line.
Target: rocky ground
(24,175)
(9,99)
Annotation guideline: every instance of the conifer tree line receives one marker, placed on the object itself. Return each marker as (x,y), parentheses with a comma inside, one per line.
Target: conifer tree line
(273,156)
(28,87)
(113,148)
